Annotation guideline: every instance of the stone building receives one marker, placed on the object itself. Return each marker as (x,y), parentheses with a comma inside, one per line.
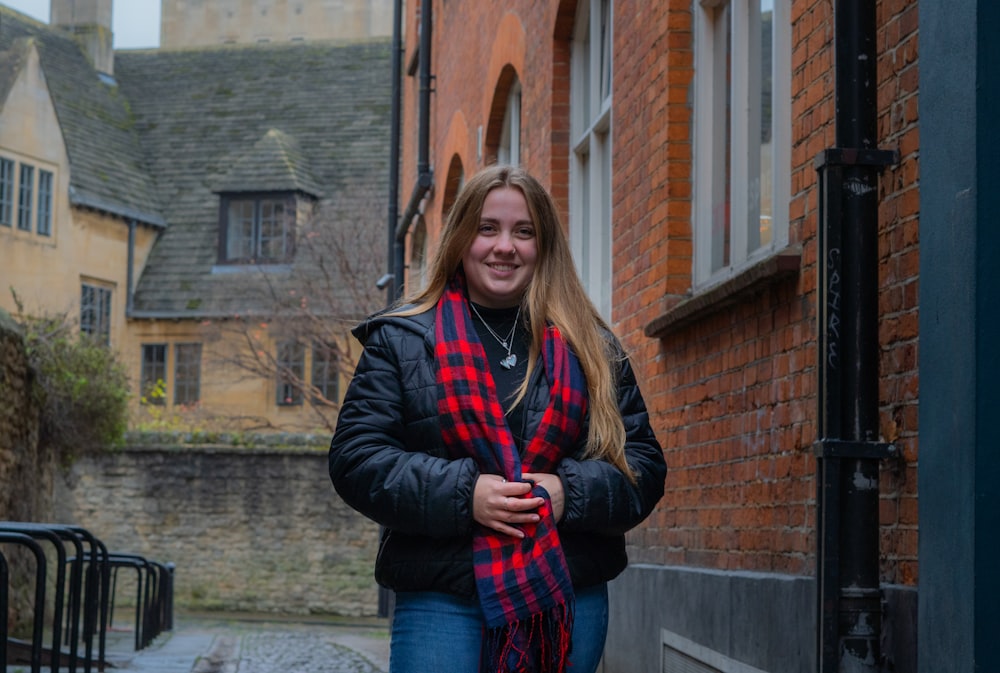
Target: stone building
(213,213)
(203,23)
(704,154)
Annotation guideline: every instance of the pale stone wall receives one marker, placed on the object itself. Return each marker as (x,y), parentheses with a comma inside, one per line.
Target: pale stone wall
(259,530)
(201,23)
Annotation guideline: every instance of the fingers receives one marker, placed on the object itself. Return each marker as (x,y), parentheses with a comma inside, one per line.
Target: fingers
(501,505)
(554,487)
(511,512)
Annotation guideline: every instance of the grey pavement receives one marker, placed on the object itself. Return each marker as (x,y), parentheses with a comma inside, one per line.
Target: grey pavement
(208,643)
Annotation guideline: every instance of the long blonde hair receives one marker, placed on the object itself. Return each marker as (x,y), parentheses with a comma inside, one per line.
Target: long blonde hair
(554,296)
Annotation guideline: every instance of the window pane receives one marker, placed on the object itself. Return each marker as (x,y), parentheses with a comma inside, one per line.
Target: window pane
(324,371)
(510,134)
(742,123)
(722,162)
(259,230)
(154,374)
(583,64)
(187,373)
(6,192)
(87,309)
(95,312)
(291,372)
(104,311)
(24,197)
(765,184)
(44,226)
(239,231)
(605,66)
(587,223)
(272,230)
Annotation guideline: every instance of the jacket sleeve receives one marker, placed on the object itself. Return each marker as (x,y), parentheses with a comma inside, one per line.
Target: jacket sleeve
(599,497)
(375,465)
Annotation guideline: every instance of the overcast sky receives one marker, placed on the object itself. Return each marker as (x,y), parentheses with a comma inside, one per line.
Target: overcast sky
(135,23)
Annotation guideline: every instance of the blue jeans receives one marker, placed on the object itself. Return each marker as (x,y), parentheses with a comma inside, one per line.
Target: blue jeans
(434,632)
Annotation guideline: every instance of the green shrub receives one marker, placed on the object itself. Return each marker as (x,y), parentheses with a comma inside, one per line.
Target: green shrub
(81,384)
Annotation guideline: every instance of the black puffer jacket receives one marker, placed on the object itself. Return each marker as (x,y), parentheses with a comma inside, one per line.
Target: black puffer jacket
(387,461)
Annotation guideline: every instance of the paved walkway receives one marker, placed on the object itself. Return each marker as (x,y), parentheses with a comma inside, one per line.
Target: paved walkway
(245,644)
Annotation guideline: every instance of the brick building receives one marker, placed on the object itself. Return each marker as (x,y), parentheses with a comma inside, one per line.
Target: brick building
(686,144)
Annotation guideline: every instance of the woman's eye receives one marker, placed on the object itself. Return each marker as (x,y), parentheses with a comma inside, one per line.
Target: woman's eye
(525,232)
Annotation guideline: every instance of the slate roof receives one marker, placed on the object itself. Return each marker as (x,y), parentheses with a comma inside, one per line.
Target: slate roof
(108,168)
(275,162)
(310,117)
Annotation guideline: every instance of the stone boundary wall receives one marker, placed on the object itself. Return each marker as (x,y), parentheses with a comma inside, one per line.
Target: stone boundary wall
(25,469)
(249,530)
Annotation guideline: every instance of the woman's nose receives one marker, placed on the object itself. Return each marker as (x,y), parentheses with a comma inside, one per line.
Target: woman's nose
(504,243)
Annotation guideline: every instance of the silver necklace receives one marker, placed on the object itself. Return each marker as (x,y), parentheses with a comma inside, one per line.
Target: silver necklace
(510,361)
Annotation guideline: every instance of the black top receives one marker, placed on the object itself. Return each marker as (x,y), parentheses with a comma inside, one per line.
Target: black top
(507,381)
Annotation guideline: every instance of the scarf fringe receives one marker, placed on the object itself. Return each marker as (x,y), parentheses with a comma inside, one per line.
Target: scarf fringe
(538,644)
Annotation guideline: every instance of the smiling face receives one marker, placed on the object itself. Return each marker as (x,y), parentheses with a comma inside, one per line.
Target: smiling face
(501,260)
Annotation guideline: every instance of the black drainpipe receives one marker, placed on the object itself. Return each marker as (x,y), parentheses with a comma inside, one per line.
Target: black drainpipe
(389,280)
(848,451)
(425,177)
(130,271)
(394,280)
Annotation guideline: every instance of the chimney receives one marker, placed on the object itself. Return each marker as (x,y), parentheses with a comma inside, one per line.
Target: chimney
(90,23)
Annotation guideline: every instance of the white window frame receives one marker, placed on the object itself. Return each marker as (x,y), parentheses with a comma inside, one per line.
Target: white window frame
(509,151)
(591,65)
(749,185)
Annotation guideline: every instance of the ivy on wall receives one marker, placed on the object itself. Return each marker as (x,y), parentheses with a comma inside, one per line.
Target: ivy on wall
(81,385)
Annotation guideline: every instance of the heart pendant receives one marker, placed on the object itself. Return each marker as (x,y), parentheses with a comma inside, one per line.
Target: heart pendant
(509,361)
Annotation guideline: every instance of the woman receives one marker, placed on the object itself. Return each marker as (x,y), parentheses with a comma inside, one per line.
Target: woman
(494,428)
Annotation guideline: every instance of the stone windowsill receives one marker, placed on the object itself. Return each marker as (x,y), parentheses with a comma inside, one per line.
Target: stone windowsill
(691,308)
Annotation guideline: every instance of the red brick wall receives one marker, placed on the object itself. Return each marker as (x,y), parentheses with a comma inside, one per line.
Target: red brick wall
(471,43)
(732,395)
(899,259)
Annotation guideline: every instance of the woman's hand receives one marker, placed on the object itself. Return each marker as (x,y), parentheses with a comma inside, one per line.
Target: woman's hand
(554,486)
(500,504)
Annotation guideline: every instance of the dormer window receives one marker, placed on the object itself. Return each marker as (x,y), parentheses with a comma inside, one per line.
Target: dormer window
(257,228)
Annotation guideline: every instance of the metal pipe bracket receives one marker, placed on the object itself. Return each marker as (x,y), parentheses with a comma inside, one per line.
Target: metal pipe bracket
(841,448)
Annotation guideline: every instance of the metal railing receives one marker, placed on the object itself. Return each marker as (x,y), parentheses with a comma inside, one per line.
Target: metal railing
(81,607)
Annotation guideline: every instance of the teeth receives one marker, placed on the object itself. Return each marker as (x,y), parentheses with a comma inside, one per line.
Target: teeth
(502,267)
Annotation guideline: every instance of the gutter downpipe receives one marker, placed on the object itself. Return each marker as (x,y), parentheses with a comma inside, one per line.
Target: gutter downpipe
(394,129)
(130,272)
(849,623)
(425,176)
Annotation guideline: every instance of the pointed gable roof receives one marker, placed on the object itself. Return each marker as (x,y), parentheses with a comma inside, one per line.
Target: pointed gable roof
(12,58)
(273,163)
(108,171)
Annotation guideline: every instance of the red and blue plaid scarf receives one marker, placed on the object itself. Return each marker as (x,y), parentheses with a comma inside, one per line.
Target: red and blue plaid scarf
(523,584)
